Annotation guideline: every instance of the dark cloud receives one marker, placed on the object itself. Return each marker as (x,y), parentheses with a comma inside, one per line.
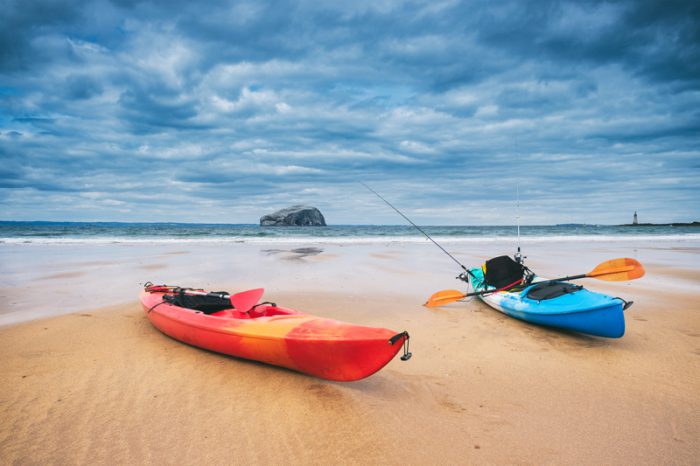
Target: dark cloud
(235,107)
(23,22)
(79,87)
(148,112)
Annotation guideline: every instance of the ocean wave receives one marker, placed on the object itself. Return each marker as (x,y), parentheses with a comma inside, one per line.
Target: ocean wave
(343,239)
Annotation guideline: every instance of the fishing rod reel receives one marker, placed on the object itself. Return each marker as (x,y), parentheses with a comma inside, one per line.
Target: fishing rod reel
(528,275)
(464,276)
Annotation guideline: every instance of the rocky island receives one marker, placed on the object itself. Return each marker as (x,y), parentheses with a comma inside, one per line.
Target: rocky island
(298,215)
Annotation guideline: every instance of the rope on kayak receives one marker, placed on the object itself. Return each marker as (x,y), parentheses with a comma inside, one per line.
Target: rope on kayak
(262,304)
(148,286)
(155,306)
(516,282)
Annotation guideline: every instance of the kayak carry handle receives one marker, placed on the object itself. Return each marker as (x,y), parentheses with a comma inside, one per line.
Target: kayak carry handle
(406,337)
(625,304)
(398,336)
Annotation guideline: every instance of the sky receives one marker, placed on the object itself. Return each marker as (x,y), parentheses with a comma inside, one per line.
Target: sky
(223,111)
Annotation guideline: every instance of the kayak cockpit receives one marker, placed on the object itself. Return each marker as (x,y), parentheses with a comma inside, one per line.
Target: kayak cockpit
(261,310)
(218,306)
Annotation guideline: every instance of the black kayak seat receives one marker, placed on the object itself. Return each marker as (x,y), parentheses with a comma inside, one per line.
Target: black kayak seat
(502,271)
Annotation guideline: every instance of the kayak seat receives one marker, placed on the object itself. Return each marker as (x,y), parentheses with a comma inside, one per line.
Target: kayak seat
(502,271)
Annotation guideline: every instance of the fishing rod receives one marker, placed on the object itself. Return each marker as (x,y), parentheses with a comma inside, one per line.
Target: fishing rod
(417,227)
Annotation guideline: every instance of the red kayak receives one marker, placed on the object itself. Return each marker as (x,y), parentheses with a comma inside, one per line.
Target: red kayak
(239,326)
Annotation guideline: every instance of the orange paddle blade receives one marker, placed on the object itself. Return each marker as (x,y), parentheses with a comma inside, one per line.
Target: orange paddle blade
(245,300)
(618,270)
(444,297)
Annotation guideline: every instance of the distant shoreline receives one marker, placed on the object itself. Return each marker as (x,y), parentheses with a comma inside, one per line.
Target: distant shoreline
(692,224)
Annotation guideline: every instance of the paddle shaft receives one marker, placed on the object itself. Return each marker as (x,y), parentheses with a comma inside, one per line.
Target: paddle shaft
(565,279)
(562,279)
(477,293)
(482,292)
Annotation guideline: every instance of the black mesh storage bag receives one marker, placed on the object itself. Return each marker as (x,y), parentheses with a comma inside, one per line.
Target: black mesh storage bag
(205,304)
(551,290)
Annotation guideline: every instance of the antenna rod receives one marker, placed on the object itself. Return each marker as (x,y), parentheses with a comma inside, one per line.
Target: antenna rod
(419,228)
(517,202)
(518,255)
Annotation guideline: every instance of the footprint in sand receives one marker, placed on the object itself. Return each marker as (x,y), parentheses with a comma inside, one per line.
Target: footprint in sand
(452,405)
(324,391)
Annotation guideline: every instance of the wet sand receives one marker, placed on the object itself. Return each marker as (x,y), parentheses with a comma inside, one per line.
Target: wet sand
(101,385)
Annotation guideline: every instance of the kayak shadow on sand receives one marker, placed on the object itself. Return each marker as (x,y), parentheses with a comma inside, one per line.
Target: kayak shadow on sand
(550,337)
(557,338)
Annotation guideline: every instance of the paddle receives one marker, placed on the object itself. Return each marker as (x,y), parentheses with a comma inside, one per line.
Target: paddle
(449,296)
(245,300)
(615,270)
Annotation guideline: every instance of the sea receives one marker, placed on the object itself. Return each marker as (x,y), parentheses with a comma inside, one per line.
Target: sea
(109,232)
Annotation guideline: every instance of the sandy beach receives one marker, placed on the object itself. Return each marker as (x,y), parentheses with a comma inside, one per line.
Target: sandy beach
(315,149)
(87,379)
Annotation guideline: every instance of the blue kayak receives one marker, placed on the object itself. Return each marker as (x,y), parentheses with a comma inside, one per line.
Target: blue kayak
(557,304)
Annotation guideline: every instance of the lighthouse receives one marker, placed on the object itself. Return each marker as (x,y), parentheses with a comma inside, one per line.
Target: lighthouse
(634,219)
